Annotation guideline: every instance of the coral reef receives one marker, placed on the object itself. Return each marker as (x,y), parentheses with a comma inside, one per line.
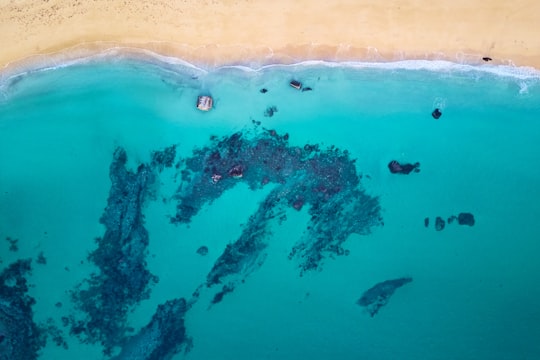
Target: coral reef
(323,181)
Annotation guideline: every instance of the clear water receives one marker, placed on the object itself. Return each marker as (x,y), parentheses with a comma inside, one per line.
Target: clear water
(475,289)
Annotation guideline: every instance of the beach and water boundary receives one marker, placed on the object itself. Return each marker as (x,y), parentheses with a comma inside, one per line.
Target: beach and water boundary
(80,80)
(104,51)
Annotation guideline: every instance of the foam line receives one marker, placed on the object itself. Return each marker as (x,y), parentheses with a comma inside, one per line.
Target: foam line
(117,53)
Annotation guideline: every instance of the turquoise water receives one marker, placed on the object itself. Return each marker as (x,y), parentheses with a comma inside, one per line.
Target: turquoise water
(474,289)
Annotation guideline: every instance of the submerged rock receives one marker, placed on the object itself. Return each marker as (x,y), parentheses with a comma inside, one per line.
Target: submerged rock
(439,223)
(462,219)
(404,169)
(466,219)
(379,295)
(436,114)
(203,250)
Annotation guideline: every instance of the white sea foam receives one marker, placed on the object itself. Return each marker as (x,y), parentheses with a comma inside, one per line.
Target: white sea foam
(80,55)
(523,73)
(439,103)
(523,88)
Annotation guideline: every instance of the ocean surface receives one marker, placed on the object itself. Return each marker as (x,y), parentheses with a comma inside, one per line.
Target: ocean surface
(81,144)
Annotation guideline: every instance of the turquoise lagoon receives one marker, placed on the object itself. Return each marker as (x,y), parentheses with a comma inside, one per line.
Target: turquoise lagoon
(475,289)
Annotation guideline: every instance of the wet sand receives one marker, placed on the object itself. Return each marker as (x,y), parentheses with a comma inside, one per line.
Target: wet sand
(256,32)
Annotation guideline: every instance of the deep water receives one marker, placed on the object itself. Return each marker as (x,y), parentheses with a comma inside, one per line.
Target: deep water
(271,226)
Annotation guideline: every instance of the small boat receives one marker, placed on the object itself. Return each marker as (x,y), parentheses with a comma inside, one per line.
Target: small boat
(204,102)
(296,84)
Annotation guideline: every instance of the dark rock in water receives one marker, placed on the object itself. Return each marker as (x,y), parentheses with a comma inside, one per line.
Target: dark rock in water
(203,251)
(263,91)
(20,337)
(466,219)
(123,279)
(377,296)
(426,222)
(451,219)
(439,223)
(269,112)
(436,114)
(162,338)
(405,169)
(237,171)
(296,84)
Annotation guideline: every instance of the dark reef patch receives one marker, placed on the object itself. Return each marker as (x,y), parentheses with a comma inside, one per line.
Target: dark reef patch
(325,182)
(379,295)
(123,279)
(20,337)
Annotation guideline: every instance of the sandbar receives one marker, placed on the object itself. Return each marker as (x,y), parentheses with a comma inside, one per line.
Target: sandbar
(259,32)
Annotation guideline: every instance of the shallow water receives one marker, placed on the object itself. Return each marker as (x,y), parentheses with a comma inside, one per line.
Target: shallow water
(474,289)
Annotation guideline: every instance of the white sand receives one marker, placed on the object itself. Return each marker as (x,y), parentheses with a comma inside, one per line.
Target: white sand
(231,32)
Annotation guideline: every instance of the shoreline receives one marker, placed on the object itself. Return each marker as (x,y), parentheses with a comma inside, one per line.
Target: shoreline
(97,51)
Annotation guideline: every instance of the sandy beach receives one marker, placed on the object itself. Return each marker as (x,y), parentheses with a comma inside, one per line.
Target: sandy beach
(259,31)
